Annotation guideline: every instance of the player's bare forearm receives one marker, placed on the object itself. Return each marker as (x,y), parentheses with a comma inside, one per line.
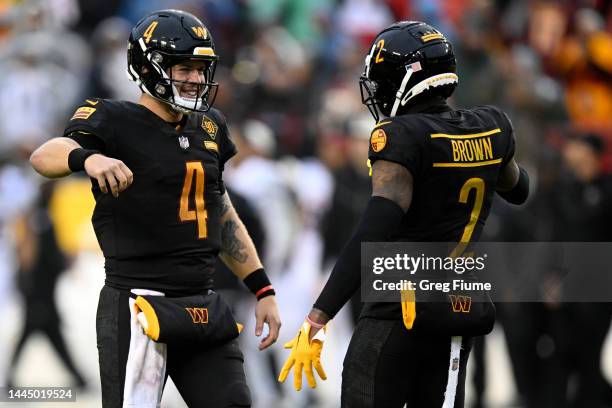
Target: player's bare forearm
(51,158)
(239,254)
(392,181)
(237,249)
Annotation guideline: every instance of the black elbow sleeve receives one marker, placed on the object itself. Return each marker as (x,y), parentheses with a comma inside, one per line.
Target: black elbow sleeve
(519,193)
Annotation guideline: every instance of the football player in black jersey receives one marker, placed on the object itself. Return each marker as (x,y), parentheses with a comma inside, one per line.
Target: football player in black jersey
(162,214)
(434,173)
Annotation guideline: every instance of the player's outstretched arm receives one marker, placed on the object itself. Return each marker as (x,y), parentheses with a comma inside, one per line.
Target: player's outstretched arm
(239,254)
(513,183)
(392,186)
(61,156)
(51,158)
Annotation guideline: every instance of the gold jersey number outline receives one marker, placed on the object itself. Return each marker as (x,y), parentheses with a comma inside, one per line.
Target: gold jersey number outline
(194,170)
(408,300)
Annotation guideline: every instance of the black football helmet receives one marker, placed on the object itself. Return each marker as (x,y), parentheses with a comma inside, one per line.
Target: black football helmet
(163,39)
(407,59)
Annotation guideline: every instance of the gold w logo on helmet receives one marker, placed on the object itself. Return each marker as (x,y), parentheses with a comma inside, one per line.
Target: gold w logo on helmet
(200,32)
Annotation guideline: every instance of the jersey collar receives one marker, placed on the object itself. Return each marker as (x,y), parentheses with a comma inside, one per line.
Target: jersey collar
(434,105)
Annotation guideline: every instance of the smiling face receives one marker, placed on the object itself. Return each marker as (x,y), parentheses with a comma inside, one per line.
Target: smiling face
(189,78)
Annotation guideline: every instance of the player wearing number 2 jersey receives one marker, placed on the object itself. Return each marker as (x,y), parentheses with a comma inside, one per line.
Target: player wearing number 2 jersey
(434,173)
(162,216)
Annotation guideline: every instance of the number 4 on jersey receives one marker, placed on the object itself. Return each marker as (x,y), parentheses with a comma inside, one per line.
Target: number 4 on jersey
(194,172)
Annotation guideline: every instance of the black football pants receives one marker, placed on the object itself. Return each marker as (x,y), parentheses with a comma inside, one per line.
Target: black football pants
(210,377)
(387,366)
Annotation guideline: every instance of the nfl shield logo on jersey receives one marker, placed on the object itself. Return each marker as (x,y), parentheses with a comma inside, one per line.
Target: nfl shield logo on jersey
(184,142)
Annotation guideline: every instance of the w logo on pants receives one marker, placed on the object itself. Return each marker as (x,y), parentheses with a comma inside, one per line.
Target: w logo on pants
(461,303)
(199,315)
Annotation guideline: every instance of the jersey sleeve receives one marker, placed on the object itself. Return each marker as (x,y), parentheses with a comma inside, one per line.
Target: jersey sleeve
(392,141)
(88,126)
(511,139)
(505,124)
(227,148)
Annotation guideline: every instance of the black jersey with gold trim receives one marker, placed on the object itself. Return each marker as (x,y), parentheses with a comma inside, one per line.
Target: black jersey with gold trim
(164,231)
(454,157)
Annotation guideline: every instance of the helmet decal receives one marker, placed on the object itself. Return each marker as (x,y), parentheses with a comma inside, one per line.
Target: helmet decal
(149,31)
(380,46)
(432,36)
(200,32)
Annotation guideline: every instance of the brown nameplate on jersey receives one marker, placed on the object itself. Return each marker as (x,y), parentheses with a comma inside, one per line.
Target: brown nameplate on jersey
(210,127)
(378,140)
(83,112)
(469,150)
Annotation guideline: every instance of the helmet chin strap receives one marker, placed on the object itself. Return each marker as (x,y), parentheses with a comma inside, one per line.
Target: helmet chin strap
(400,92)
(179,109)
(182,104)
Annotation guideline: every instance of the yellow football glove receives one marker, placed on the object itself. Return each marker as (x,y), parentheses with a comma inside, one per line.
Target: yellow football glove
(304,354)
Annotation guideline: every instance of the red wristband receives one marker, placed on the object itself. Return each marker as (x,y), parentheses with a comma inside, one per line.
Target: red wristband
(259,284)
(263,290)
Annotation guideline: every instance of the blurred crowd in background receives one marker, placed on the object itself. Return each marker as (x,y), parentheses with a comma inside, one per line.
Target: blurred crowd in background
(288,79)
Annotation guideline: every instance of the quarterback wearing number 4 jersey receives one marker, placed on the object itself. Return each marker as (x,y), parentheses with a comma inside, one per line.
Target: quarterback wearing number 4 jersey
(434,173)
(162,216)
(158,230)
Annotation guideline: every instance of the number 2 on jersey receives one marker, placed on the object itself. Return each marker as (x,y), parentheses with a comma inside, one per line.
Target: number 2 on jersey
(408,301)
(194,170)
(477,184)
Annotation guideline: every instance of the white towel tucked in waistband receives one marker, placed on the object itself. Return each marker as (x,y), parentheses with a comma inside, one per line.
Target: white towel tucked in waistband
(146,364)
